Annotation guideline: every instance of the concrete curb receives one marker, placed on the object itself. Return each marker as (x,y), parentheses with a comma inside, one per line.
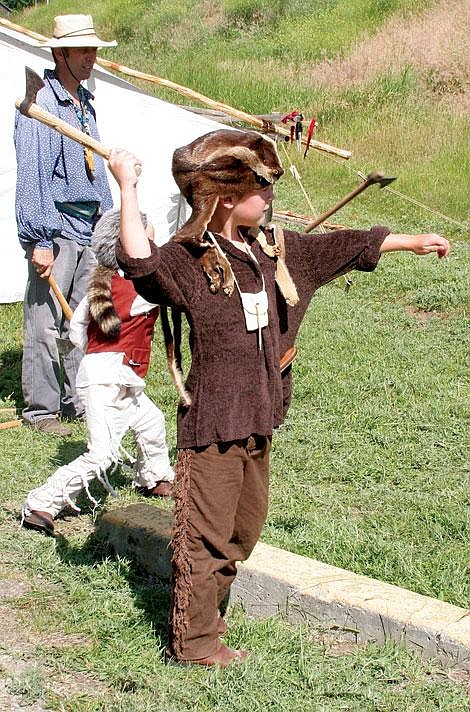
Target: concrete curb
(274,581)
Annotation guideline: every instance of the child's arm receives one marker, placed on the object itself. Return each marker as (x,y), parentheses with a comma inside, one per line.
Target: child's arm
(419,244)
(78,329)
(133,238)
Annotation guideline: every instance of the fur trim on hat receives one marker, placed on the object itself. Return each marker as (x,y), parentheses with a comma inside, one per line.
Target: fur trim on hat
(219,164)
(105,236)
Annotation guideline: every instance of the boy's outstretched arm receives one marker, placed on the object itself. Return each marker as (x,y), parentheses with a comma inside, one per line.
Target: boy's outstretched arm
(133,238)
(419,244)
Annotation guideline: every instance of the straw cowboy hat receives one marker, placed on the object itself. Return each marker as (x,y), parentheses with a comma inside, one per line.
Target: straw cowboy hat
(75,31)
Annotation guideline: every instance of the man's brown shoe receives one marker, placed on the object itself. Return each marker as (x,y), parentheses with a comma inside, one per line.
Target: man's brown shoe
(224,657)
(40,521)
(50,425)
(163,488)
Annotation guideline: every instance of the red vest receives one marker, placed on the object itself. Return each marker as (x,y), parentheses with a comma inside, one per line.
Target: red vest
(136,331)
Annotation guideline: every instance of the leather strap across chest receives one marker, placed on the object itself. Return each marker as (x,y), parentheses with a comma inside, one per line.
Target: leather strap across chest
(283,279)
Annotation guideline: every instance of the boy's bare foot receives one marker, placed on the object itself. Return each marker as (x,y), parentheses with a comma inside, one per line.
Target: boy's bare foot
(162,488)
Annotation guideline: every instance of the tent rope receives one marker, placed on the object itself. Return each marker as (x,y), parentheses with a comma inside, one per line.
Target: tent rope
(298,178)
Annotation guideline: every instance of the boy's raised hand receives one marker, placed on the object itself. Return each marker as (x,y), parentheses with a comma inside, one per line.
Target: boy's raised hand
(124,166)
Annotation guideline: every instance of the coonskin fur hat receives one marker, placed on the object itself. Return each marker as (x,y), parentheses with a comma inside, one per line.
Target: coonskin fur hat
(103,244)
(218,164)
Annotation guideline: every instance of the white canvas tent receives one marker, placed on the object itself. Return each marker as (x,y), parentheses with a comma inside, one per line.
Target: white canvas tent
(127,118)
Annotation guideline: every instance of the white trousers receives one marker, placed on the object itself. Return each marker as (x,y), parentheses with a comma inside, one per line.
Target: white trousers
(111,410)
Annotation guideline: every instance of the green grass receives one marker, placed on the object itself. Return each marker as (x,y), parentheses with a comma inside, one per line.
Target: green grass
(115,621)
(368,473)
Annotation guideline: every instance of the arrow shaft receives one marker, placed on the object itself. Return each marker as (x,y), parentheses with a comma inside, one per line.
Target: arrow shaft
(324,216)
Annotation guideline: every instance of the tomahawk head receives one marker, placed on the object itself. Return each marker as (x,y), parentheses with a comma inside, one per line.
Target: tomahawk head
(380,178)
(33,84)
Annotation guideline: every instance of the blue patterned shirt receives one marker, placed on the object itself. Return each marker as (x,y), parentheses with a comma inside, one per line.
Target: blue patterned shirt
(51,169)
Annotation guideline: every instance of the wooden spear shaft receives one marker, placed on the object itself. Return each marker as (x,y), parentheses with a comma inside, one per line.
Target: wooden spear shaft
(219,106)
(191,94)
(23,30)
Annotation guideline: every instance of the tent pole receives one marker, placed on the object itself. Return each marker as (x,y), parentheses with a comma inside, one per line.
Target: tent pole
(185,91)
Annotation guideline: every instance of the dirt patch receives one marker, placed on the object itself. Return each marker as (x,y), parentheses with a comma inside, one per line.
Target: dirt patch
(11,588)
(23,682)
(423,317)
(13,636)
(462,677)
(336,649)
(61,640)
(212,13)
(74,525)
(433,44)
(335,643)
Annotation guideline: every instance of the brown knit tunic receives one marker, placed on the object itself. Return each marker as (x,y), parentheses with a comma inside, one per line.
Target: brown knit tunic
(235,387)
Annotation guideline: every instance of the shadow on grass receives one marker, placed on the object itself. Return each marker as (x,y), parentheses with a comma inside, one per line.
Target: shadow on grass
(151,597)
(10,376)
(67,450)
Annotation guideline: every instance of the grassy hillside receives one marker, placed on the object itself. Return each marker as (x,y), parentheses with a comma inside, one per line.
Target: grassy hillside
(386,79)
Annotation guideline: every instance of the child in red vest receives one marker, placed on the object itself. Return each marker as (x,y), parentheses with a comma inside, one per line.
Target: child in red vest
(113,325)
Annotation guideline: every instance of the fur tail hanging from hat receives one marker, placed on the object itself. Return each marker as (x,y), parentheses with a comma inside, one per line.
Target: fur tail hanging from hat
(192,232)
(101,303)
(172,340)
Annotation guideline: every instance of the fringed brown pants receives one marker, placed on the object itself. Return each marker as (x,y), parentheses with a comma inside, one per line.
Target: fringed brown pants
(221,503)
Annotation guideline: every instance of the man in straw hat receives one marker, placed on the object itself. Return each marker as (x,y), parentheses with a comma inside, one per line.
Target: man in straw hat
(234,387)
(61,190)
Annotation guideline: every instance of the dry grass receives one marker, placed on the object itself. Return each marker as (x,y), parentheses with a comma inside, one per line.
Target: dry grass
(434,44)
(211,13)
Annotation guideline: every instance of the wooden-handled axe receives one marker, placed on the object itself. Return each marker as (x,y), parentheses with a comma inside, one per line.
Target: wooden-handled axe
(64,346)
(372,178)
(28,107)
(65,306)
